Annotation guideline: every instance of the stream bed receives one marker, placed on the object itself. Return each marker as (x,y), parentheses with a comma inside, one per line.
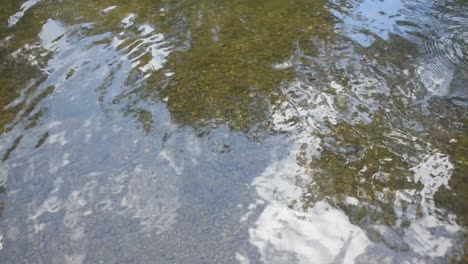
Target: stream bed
(233,131)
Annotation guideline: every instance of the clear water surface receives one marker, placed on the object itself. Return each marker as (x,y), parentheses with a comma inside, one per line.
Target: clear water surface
(234,131)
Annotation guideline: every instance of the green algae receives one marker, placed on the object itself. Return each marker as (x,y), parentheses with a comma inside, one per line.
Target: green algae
(42,140)
(10,150)
(359,161)
(14,75)
(145,118)
(446,129)
(227,74)
(70,74)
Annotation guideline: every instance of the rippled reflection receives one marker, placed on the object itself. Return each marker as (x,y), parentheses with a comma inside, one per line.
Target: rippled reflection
(233,131)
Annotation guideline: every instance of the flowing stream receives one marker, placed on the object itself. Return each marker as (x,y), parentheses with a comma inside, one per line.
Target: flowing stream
(234,131)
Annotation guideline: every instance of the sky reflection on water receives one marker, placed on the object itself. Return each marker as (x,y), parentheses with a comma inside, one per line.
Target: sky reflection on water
(160,132)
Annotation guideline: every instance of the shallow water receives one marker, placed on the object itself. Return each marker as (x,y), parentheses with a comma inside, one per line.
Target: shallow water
(233,131)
